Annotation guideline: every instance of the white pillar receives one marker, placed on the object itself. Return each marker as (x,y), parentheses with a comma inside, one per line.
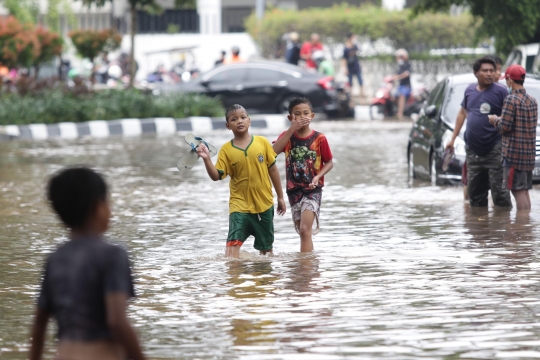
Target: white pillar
(209,16)
(393,4)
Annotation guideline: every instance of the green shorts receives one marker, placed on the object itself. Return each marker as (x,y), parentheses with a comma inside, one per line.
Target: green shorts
(261,226)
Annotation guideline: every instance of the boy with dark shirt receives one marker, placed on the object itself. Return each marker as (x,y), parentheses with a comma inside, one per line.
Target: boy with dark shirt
(87,280)
(308,158)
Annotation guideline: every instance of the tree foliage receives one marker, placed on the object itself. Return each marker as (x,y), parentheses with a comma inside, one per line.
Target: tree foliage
(425,31)
(19,45)
(25,45)
(511,22)
(150,6)
(27,11)
(90,43)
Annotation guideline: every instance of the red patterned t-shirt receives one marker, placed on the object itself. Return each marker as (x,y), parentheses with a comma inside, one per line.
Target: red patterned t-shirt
(304,158)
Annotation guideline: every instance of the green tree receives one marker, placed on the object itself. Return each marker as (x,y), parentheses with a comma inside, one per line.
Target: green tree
(51,45)
(511,22)
(150,6)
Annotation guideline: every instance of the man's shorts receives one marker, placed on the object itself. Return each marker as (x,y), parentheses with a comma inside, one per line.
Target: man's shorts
(515,179)
(312,203)
(464,174)
(404,90)
(261,226)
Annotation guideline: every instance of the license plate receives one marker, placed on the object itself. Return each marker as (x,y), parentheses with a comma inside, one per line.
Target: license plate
(536,171)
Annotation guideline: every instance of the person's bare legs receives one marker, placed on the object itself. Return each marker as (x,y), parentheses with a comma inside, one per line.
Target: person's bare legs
(523,202)
(266,252)
(306,225)
(233,251)
(465,193)
(401,107)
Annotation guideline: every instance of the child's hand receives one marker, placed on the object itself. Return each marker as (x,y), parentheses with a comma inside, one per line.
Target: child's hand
(314,182)
(281,207)
(299,122)
(203,152)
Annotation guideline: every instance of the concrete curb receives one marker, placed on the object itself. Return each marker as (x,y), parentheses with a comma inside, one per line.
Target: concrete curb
(130,127)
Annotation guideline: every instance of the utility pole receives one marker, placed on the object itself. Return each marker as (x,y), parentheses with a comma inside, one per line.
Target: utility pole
(259,9)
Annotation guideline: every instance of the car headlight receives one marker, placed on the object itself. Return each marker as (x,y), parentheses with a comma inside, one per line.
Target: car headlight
(459,144)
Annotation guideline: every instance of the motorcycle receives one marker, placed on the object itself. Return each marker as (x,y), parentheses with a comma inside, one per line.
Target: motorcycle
(384,104)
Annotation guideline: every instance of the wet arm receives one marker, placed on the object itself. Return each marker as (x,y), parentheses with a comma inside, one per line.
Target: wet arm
(116,303)
(505,123)
(211,170)
(460,120)
(326,168)
(276,180)
(280,143)
(38,334)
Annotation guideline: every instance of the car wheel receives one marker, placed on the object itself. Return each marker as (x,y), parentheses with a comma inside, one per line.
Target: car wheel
(410,161)
(433,169)
(376,112)
(283,106)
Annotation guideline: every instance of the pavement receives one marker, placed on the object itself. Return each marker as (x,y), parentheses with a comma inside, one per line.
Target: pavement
(137,127)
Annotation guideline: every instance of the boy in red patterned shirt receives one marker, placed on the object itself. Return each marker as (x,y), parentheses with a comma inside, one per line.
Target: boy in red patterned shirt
(308,158)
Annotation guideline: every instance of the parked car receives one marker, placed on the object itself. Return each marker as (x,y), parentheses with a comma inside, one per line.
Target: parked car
(524,55)
(434,127)
(263,86)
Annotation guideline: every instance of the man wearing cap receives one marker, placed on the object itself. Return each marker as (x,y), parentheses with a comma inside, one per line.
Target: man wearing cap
(483,142)
(517,125)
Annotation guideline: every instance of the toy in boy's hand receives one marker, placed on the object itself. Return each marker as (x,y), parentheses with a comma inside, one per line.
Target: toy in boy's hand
(189,160)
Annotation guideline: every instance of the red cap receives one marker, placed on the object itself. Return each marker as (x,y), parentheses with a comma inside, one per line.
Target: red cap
(515,72)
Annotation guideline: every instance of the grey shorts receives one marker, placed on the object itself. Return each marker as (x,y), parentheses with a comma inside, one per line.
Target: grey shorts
(517,180)
(311,204)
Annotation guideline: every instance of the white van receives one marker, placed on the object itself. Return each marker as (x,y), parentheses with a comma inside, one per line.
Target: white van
(525,56)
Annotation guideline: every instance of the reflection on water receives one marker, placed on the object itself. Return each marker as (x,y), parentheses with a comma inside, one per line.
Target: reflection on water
(399,272)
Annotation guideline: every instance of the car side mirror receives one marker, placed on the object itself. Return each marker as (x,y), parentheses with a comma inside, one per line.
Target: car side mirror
(431,111)
(205,82)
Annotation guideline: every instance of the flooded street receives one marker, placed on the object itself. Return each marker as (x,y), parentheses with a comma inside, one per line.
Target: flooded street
(399,271)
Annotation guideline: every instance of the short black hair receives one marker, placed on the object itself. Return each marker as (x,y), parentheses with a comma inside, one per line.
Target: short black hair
(350,35)
(232,109)
(498,60)
(483,60)
(519,82)
(74,193)
(298,101)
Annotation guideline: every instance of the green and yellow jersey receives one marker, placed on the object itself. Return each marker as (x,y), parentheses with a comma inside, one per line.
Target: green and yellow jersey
(250,186)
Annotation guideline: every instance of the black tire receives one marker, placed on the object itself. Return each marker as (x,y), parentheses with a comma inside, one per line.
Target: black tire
(433,169)
(283,105)
(410,165)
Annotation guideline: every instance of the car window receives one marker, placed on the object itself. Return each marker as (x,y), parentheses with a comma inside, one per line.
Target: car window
(434,93)
(438,100)
(529,63)
(453,102)
(259,74)
(228,75)
(514,58)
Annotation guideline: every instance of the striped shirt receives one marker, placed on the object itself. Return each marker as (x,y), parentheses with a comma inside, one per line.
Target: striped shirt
(517,126)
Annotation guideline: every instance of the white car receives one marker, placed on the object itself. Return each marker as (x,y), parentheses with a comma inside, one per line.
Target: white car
(527,55)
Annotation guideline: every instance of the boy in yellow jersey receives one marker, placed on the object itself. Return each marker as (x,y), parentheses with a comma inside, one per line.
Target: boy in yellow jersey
(249,161)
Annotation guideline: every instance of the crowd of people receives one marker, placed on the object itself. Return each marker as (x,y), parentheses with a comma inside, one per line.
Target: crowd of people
(500,136)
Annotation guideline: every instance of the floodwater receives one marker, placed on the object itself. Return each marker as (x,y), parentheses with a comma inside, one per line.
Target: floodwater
(399,271)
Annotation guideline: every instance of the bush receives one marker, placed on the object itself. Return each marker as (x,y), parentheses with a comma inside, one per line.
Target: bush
(89,43)
(58,105)
(425,31)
